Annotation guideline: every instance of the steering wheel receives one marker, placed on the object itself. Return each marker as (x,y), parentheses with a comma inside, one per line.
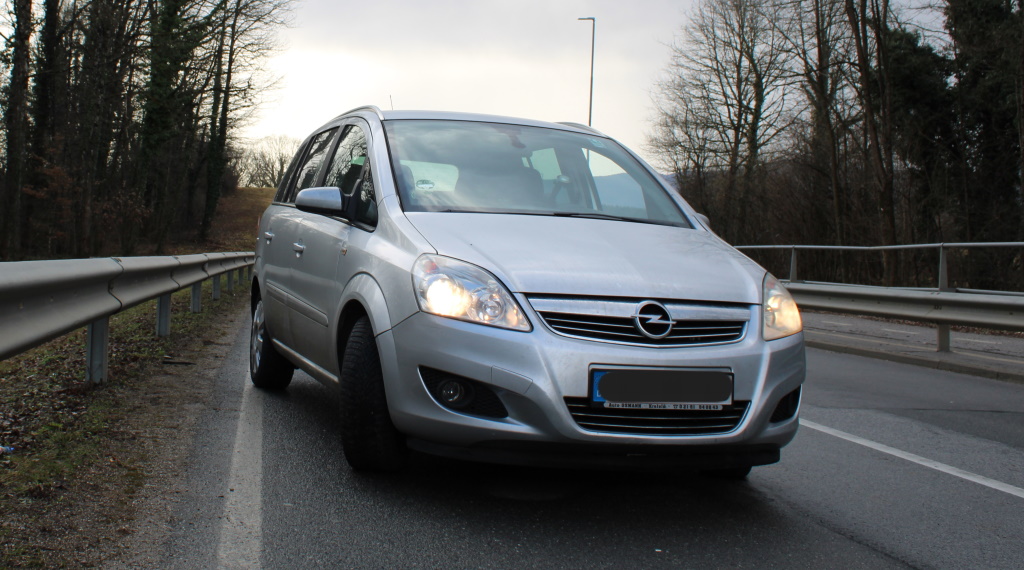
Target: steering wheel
(562,182)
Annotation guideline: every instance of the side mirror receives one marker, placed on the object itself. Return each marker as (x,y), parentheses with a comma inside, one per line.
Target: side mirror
(704,220)
(326,200)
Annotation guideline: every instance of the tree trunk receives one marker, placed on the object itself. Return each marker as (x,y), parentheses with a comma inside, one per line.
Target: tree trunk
(16,123)
(215,149)
(877,114)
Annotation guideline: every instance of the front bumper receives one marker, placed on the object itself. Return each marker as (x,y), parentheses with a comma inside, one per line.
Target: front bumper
(532,373)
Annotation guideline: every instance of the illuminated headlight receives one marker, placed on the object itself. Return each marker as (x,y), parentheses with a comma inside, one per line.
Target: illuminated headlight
(451,288)
(781,315)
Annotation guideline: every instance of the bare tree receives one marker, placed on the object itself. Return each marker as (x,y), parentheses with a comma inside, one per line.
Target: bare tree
(820,40)
(265,161)
(244,38)
(726,103)
(870,22)
(120,114)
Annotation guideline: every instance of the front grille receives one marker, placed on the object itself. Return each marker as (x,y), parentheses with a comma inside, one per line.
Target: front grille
(616,320)
(622,329)
(656,422)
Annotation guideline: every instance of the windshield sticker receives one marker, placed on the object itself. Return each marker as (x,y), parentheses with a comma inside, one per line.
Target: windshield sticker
(597,143)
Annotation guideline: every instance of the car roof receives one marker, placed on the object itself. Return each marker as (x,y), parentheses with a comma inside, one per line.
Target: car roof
(475,117)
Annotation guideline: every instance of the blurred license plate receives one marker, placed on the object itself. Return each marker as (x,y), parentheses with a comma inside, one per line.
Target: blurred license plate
(664,389)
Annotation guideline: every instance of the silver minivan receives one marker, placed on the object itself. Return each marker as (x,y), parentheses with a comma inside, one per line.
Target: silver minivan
(521,292)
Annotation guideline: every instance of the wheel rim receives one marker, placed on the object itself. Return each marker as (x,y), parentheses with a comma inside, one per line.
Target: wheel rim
(257,338)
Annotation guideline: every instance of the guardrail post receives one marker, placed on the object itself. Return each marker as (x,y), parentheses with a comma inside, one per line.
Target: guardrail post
(231,281)
(792,265)
(163,315)
(216,287)
(943,270)
(97,342)
(943,285)
(197,298)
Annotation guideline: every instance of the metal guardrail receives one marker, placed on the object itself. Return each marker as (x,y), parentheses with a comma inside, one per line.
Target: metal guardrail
(943,269)
(937,307)
(943,306)
(43,300)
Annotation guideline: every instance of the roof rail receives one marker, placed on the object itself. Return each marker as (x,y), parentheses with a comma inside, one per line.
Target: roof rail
(582,127)
(373,108)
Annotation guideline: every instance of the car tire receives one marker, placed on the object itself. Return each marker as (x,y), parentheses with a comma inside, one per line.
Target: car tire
(729,474)
(368,437)
(267,368)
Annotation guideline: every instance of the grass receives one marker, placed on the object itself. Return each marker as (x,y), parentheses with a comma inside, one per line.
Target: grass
(235,232)
(68,487)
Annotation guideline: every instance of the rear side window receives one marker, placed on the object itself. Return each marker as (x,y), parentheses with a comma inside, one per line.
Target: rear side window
(309,166)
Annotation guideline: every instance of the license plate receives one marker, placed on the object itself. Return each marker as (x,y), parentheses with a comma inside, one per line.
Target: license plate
(661,389)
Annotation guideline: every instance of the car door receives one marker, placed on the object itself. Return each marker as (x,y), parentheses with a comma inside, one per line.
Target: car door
(281,235)
(319,279)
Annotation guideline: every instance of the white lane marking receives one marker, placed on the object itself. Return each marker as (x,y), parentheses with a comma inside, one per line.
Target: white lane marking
(241,531)
(948,469)
(901,332)
(834,323)
(976,340)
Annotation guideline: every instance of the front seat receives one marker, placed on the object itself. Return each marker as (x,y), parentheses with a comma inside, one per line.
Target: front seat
(500,187)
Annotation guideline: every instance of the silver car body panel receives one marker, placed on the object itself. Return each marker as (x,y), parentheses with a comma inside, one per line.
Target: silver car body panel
(547,263)
(587,257)
(558,367)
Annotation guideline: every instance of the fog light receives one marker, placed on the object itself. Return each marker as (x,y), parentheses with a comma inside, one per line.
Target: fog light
(461,394)
(455,394)
(787,407)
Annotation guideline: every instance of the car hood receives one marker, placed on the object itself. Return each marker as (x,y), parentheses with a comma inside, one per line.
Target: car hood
(590,257)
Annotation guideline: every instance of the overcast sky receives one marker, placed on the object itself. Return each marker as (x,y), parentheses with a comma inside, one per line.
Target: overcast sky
(524,58)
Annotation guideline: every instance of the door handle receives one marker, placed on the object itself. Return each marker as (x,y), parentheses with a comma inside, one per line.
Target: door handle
(298,248)
(269,235)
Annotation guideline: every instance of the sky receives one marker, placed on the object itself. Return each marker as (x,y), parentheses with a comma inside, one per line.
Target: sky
(520,58)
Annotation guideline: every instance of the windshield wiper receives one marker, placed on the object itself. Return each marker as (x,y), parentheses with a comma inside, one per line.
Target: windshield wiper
(596,216)
(589,215)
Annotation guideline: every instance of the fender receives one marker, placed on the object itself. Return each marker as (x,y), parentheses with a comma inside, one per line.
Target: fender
(364,291)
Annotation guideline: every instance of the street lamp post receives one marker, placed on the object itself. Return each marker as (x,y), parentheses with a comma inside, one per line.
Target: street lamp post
(593,34)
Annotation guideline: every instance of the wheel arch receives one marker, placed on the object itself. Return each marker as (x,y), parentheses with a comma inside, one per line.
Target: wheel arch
(254,294)
(362,296)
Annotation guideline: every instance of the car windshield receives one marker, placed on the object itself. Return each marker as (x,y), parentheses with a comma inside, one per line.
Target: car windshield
(461,166)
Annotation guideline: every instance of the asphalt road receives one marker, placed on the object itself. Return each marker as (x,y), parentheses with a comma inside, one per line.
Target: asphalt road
(894,466)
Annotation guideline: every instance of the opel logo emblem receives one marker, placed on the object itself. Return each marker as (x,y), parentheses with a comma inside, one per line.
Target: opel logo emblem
(652,319)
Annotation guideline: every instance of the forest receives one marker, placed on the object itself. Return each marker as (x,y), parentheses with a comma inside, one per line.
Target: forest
(118,118)
(853,122)
(844,122)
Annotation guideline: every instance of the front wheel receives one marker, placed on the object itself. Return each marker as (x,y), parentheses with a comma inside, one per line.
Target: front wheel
(368,436)
(267,368)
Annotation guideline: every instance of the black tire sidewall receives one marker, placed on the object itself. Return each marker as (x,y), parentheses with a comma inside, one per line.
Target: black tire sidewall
(369,438)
